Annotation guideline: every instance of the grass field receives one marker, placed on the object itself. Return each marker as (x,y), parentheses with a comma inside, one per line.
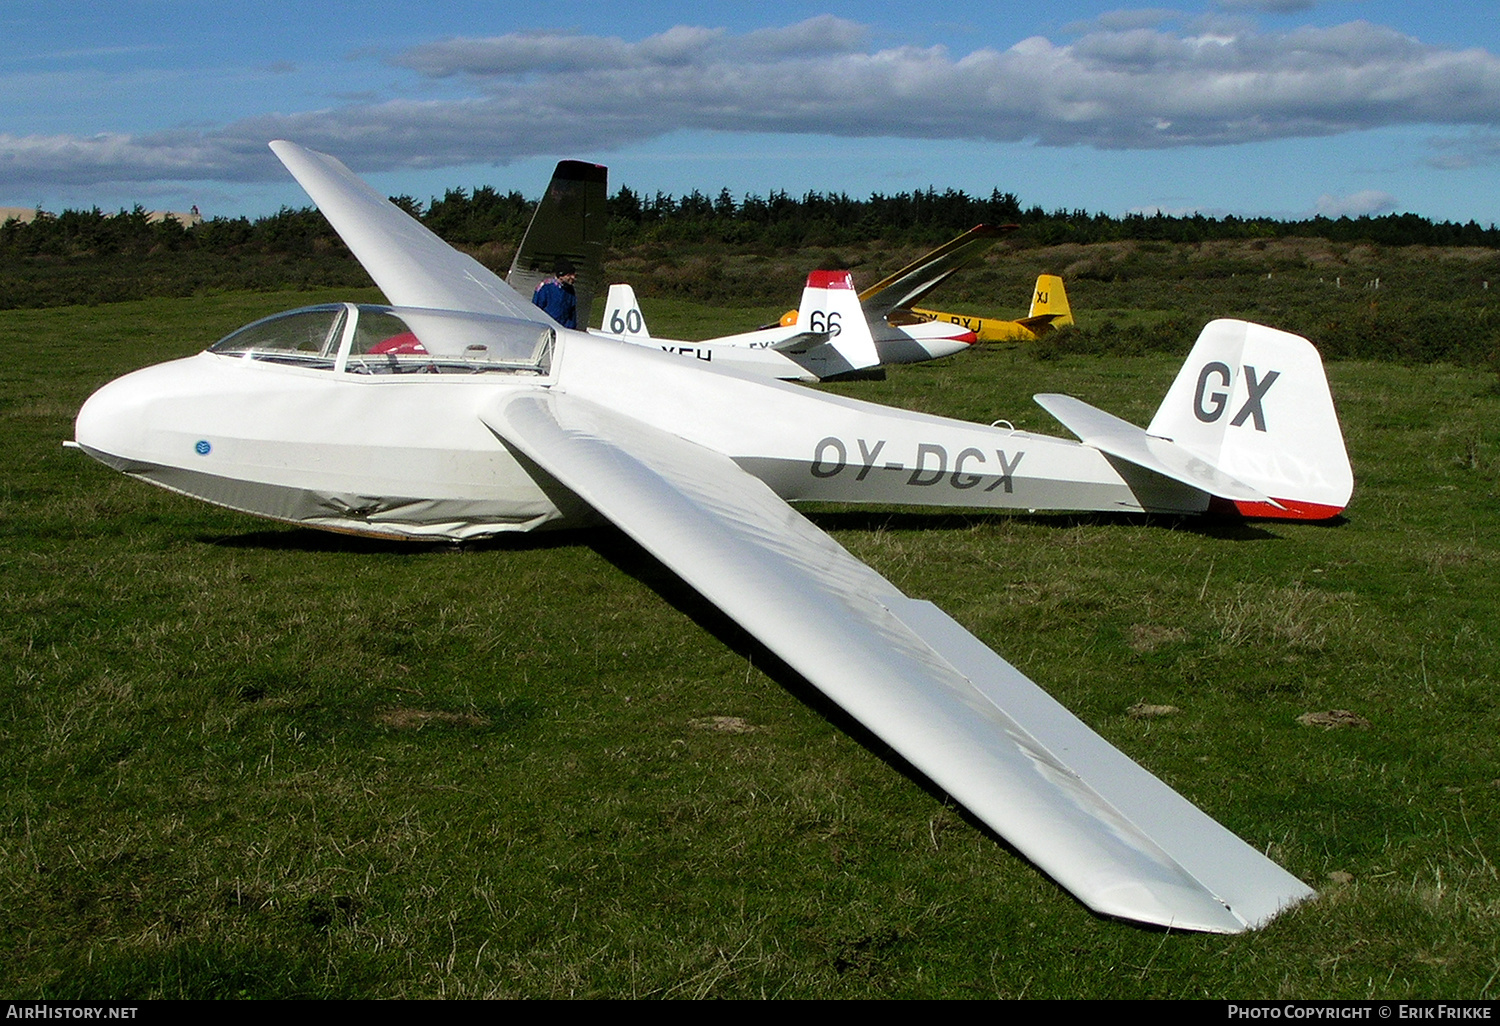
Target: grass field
(242,759)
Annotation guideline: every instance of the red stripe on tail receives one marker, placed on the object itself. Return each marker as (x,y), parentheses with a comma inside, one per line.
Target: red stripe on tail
(830,280)
(1294,510)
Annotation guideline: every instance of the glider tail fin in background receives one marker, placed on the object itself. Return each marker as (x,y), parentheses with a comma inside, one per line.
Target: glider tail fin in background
(1049,305)
(835,336)
(569,223)
(622,314)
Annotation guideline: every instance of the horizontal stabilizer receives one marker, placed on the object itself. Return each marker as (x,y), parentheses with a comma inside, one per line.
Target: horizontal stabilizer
(1115,437)
(1041,321)
(801,342)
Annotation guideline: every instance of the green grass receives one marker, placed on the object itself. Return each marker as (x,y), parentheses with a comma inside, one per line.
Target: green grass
(241,759)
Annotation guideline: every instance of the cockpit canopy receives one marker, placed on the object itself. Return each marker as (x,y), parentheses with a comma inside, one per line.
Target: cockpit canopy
(368,339)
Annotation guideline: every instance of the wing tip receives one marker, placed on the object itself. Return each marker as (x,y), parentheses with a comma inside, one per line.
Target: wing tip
(581,171)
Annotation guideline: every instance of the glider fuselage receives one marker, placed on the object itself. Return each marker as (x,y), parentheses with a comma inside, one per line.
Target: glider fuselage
(407,454)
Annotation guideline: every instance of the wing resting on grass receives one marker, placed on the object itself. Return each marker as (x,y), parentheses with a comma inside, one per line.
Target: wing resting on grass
(1122,841)
(1119,839)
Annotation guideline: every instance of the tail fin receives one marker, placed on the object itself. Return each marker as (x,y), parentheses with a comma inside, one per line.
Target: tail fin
(835,337)
(1049,305)
(1253,402)
(622,314)
(1249,421)
(569,222)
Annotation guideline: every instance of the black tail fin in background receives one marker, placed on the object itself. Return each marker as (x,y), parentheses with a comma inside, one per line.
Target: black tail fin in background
(570,222)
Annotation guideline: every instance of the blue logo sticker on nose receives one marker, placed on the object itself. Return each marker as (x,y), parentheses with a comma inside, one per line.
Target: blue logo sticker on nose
(202,448)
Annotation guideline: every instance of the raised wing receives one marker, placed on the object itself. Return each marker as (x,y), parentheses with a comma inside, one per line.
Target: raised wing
(412,266)
(1122,841)
(915,280)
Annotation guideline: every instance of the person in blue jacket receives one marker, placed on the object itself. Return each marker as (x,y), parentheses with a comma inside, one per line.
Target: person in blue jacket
(555,294)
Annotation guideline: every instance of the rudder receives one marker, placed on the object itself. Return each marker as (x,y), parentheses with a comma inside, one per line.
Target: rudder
(1254,403)
(830,305)
(569,222)
(1050,300)
(622,314)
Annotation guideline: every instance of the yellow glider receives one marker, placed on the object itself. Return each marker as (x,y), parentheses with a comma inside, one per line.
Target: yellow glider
(1049,310)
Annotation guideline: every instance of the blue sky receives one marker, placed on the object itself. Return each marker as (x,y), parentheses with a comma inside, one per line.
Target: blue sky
(1279,107)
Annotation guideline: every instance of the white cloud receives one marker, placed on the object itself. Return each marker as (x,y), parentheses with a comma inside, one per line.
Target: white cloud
(527,53)
(78,160)
(558,93)
(1367,202)
(516,54)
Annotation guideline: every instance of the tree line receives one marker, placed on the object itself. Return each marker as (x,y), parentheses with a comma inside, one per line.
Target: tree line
(484,216)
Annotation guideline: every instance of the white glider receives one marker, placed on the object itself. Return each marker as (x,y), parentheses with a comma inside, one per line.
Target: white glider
(464,411)
(835,342)
(832,334)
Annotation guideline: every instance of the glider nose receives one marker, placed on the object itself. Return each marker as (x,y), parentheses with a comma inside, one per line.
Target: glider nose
(955,343)
(106,418)
(112,424)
